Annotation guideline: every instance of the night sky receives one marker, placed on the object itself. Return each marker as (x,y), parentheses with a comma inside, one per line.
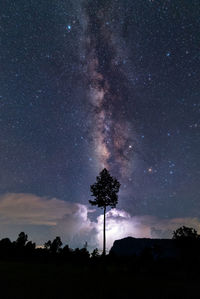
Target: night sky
(91,84)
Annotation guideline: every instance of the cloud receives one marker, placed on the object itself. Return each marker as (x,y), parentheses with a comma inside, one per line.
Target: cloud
(121,224)
(32,209)
(45,218)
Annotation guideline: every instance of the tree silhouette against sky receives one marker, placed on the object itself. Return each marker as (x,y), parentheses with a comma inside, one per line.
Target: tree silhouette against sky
(105,192)
(185,233)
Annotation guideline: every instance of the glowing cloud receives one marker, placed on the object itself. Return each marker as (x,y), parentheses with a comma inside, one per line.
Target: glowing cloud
(45,218)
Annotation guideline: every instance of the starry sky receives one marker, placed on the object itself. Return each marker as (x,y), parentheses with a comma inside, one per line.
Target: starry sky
(88,84)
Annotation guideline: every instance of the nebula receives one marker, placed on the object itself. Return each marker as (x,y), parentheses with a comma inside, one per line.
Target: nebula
(107,93)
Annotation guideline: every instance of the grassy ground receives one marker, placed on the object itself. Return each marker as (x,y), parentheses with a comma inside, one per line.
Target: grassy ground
(20,280)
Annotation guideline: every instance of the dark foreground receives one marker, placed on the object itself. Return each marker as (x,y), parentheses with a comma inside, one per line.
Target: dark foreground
(56,280)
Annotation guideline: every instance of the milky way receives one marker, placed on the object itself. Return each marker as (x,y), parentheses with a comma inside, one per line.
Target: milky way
(106,83)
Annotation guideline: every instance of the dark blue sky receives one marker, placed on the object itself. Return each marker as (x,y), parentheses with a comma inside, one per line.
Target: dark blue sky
(148,68)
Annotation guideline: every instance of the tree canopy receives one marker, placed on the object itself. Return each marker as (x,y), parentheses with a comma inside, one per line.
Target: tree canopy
(185,233)
(105,190)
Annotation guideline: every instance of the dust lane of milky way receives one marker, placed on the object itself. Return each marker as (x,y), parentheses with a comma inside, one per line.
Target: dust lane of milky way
(112,142)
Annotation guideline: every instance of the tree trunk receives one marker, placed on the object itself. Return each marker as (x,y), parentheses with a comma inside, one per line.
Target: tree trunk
(104,232)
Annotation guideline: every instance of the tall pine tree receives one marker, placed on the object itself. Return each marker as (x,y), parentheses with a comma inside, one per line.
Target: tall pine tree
(105,192)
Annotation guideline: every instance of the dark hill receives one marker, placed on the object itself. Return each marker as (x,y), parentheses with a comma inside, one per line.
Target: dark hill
(132,246)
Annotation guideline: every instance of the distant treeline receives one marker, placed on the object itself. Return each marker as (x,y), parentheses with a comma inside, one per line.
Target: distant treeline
(22,248)
(186,240)
(57,271)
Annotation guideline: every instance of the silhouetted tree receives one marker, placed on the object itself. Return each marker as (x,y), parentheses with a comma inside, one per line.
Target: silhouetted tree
(81,255)
(66,252)
(30,246)
(47,245)
(21,240)
(188,242)
(5,247)
(5,243)
(95,253)
(184,232)
(105,192)
(54,246)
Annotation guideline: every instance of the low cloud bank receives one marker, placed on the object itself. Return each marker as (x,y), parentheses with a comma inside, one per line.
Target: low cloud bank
(45,218)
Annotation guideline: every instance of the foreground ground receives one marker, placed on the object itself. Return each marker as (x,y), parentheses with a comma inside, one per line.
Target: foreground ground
(32,280)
